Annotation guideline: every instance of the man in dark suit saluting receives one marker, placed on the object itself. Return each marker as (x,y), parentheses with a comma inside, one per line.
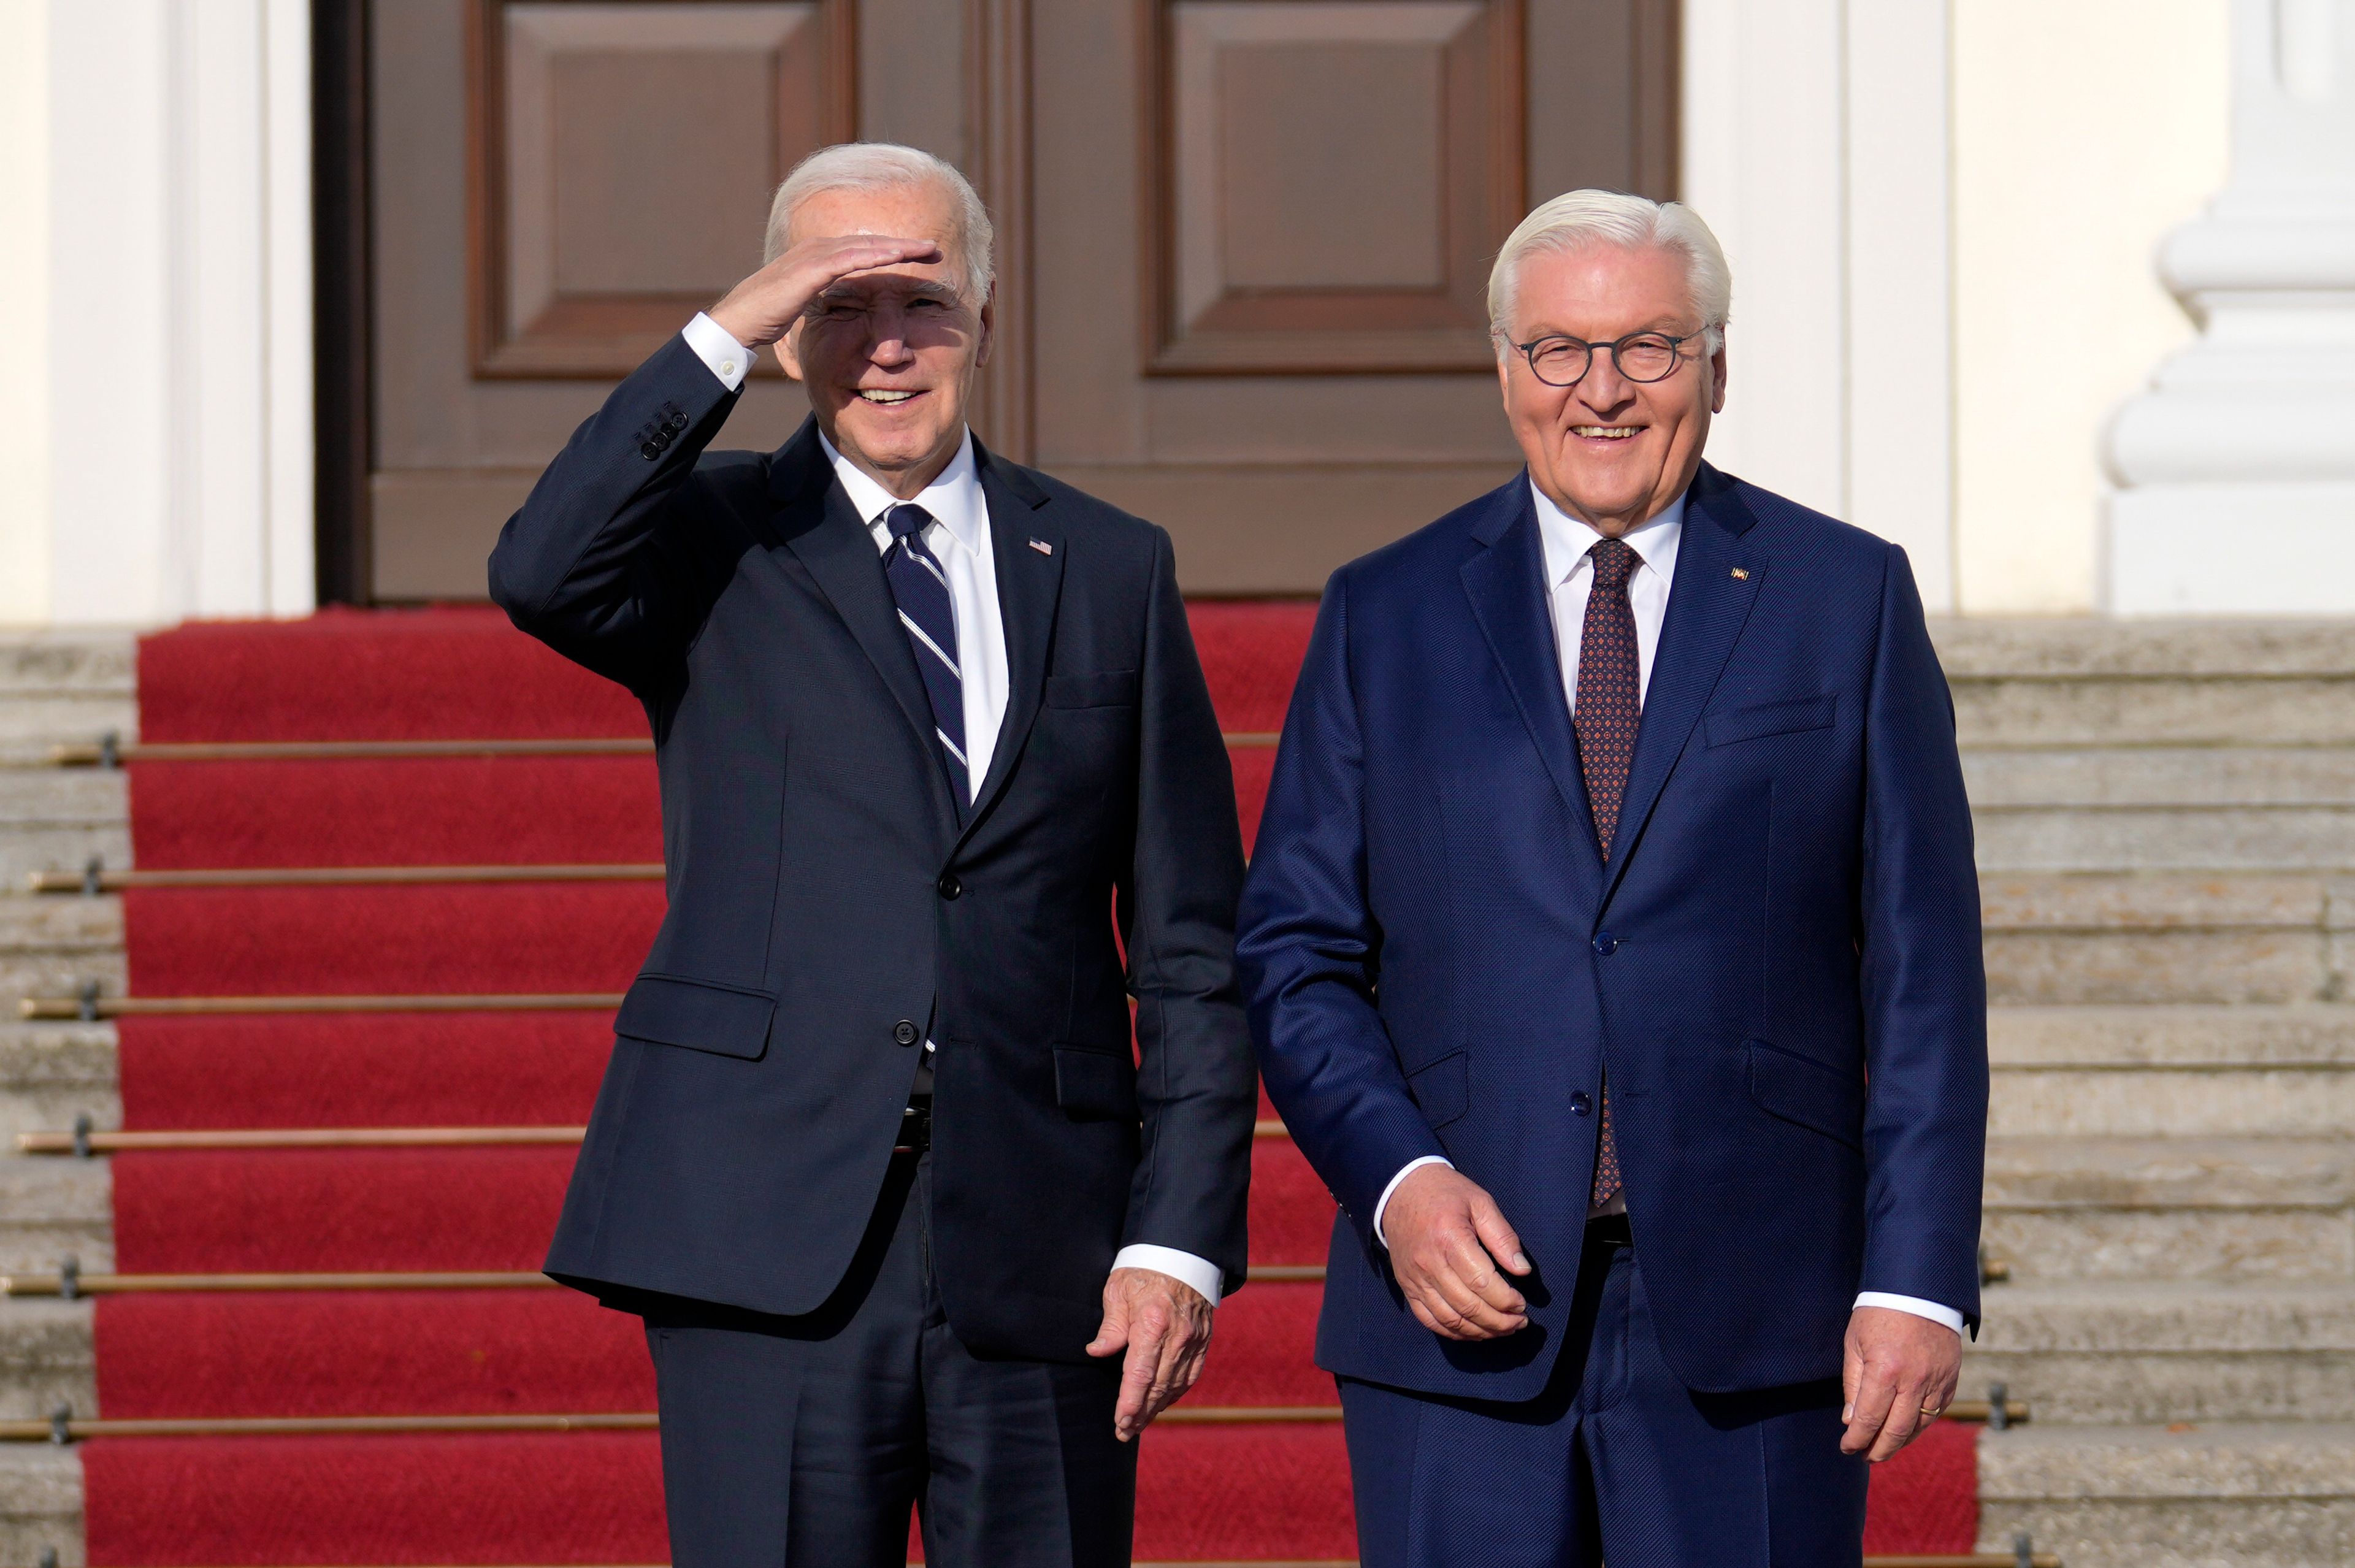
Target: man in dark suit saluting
(1612,945)
(909,1223)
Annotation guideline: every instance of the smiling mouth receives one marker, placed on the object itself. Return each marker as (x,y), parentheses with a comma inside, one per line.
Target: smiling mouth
(885,397)
(1606,431)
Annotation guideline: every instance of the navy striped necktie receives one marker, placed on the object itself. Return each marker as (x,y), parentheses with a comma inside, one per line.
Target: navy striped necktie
(929,615)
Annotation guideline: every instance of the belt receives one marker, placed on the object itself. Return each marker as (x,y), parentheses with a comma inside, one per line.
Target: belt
(1610,1231)
(915,1128)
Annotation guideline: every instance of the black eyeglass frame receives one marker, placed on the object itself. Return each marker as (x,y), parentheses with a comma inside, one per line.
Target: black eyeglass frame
(1676,343)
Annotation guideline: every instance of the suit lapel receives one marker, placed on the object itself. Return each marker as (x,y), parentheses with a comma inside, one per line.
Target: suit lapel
(1029,588)
(826,536)
(1506,582)
(1716,583)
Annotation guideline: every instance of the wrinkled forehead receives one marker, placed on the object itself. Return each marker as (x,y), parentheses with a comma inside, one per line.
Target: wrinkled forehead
(918,211)
(1603,290)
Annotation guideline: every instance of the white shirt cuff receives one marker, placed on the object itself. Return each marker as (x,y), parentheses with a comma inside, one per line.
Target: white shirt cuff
(1183,1267)
(716,347)
(1381,1204)
(1915,1304)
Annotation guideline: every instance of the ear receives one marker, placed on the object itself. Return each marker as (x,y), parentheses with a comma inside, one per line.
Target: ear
(1505,374)
(1716,375)
(789,351)
(989,328)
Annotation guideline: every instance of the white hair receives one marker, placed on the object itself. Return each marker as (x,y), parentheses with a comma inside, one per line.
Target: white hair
(1581,217)
(887,165)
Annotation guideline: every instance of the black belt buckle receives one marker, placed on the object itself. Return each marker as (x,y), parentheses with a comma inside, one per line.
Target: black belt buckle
(915,1129)
(1610,1231)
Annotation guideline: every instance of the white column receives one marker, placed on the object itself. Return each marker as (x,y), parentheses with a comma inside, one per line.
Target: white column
(1817,142)
(179,310)
(2235,469)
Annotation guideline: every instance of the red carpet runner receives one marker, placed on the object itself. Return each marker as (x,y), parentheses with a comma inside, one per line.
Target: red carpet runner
(1208,1493)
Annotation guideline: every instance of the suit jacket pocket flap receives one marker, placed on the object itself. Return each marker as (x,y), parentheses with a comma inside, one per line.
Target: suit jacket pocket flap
(1102,689)
(1808,1092)
(1090,1082)
(1766,719)
(702,1015)
(1442,1091)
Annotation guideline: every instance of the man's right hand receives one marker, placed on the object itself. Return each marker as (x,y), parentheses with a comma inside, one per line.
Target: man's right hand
(1450,1250)
(764,306)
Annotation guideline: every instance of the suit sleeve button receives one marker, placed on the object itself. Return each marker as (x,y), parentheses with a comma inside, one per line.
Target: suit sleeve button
(650,452)
(904,1031)
(949,888)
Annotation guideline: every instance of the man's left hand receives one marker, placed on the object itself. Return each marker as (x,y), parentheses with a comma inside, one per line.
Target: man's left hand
(1899,1375)
(1165,1326)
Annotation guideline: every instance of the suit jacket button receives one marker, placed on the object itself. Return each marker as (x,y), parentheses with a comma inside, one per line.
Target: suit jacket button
(1582,1104)
(904,1031)
(650,452)
(1606,944)
(950,887)
(676,423)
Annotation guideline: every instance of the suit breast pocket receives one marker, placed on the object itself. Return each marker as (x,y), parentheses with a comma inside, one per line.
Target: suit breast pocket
(1758,720)
(1094,689)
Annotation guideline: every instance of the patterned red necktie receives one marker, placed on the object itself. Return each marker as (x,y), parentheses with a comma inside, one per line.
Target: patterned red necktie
(1610,704)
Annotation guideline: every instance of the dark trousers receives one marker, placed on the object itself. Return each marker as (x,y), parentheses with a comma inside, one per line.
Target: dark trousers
(1617,1460)
(805,1441)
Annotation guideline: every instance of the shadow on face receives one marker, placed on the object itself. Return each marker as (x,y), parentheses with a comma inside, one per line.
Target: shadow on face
(888,355)
(1610,450)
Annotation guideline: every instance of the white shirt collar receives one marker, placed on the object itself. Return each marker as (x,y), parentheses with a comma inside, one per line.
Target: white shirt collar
(953,497)
(1567,538)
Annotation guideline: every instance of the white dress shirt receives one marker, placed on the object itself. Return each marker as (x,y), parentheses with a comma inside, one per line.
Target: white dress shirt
(958,536)
(1570,578)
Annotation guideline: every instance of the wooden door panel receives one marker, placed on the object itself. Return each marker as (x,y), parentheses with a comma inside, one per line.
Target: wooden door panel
(1243,243)
(1318,187)
(1327,178)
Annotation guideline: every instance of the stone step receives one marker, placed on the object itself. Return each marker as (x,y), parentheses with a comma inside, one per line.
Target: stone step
(40,1504)
(2115,1352)
(2124,939)
(2246,837)
(57,818)
(50,1073)
(46,1358)
(2209,1496)
(2177,1208)
(52,944)
(52,1209)
(2176,776)
(2089,646)
(2180,1071)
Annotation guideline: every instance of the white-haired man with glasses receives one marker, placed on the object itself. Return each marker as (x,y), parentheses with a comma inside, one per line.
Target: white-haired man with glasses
(1612,950)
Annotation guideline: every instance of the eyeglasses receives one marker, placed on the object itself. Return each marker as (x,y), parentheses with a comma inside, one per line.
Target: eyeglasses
(1560,361)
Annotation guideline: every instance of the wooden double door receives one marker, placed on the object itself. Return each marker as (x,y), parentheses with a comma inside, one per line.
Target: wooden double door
(1245,243)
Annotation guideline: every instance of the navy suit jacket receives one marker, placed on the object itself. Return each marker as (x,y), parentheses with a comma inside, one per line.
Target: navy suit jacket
(1779,972)
(830,907)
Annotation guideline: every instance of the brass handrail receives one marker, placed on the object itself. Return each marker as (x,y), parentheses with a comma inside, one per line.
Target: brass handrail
(103,880)
(86,1141)
(75,1283)
(91,1007)
(110,752)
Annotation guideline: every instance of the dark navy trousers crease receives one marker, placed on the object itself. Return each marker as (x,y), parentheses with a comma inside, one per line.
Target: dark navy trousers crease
(807,1440)
(1617,1460)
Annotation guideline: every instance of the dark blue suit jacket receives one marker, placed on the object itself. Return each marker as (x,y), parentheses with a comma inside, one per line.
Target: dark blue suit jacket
(830,907)
(1780,970)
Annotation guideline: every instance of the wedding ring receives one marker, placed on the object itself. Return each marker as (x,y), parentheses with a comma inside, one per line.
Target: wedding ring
(1934,1409)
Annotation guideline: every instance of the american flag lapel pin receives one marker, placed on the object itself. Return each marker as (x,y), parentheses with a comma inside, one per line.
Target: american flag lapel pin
(1042,546)
(1741,574)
